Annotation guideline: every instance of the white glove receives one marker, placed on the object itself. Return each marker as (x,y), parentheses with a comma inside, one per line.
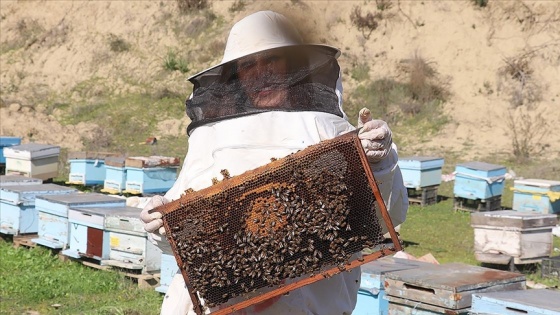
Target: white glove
(152,221)
(375,136)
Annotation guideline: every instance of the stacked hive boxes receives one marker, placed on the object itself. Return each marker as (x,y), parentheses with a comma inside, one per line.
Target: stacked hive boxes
(32,160)
(53,210)
(87,168)
(478,186)
(422,177)
(444,289)
(536,195)
(115,175)
(18,214)
(148,175)
(503,237)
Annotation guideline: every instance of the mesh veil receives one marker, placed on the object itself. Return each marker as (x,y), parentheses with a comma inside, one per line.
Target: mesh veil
(305,81)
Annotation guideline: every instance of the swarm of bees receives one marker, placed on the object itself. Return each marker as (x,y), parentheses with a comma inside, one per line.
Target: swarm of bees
(245,238)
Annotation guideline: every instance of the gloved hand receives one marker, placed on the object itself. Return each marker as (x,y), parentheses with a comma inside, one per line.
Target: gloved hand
(152,221)
(375,136)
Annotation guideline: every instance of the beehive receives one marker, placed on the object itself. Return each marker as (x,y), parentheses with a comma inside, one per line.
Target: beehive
(32,160)
(372,285)
(169,269)
(89,236)
(87,168)
(444,289)
(421,171)
(479,180)
(7,142)
(530,302)
(500,236)
(129,247)
(17,206)
(15,180)
(148,175)
(53,215)
(536,195)
(298,215)
(115,175)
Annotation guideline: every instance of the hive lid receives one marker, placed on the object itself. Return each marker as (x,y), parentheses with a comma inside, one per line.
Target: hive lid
(5,141)
(482,166)
(544,183)
(76,199)
(38,188)
(9,180)
(31,150)
(541,299)
(90,155)
(388,264)
(454,277)
(116,161)
(110,211)
(420,158)
(151,161)
(513,219)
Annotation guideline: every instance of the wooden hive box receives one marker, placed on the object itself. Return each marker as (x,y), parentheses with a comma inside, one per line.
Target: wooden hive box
(479,180)
(444,289)
(372,285)
(87,168)
(32,160)
(15,180)
(148,175)
(54,230)
(500,236)
(17,206)
(530,302)
(7,142)
(129,246)
(421,171)
(536,195)
(115,175)
(169,269)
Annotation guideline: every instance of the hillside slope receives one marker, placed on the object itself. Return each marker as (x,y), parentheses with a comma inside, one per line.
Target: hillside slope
(108,74)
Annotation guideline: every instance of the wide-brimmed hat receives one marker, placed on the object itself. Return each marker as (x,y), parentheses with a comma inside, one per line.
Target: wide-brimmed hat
(259,32)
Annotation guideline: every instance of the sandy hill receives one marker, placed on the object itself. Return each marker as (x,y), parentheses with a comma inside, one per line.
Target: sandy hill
(75,72)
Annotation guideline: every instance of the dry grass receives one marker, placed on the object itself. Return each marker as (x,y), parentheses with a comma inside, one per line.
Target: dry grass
(191,6)
(518,81)
(528,131)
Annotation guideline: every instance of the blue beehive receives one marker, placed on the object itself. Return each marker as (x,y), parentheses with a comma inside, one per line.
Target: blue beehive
(479,180)
(537,195)
(115,175)
(154,174)
(90,236)
(372,287)
(169,269)
(53,228)
(421,171)
(530,302)
(7,142)
(17,206)
(87,168)
(129,246)
(15,180)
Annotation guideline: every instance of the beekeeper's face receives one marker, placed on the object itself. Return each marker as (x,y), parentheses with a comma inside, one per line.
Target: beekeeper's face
(263,77)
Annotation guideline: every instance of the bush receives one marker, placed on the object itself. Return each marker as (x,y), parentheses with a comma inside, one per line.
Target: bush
(118,44)
(481,3)
(360,72)
(365,23)
(527,131)
(172,62)
(383,5)
(189,6)
(518,82)
(237,6)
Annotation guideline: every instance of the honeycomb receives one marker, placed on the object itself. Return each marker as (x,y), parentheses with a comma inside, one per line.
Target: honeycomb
(295,216)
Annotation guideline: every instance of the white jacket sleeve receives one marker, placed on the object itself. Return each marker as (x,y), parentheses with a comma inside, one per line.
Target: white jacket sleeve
(389,179)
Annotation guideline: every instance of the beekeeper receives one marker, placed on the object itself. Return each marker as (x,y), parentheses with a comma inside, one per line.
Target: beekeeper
(271,96)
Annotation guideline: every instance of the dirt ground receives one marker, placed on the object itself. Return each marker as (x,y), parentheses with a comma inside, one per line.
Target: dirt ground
(58,52)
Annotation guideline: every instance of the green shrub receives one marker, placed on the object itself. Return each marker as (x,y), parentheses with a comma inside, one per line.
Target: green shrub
(172,62)
(360,72)
(118,44)
(190,6)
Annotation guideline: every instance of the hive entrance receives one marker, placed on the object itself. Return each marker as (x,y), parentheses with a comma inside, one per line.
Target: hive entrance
(300,215)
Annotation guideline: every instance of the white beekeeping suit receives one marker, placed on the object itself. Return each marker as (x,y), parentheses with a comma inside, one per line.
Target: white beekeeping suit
(247,141)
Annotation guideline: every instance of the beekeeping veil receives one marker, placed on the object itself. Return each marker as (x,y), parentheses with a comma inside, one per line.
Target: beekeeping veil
(307,80)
